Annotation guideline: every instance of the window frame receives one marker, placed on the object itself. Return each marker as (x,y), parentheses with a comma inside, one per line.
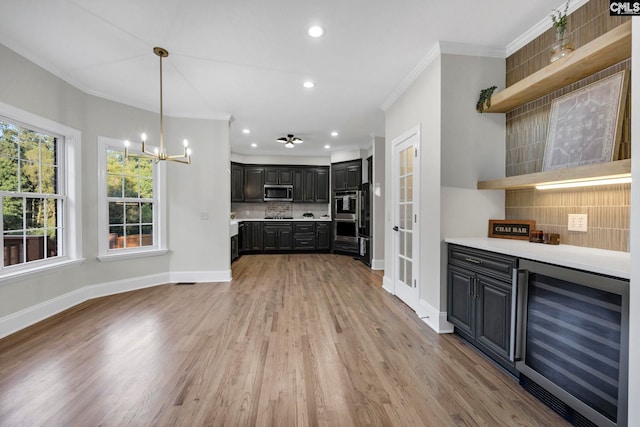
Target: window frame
(70,190)
(159,247)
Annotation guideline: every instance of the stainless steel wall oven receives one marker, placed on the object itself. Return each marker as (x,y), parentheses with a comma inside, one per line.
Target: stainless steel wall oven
(572,341)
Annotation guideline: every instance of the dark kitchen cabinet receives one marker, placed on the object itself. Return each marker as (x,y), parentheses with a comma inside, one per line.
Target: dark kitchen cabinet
(278,236)
(250,236)
(347,175)
(303,236)
(311,184)
(323,235)
(278,176)
(237,183)
(479,300)
(321,185)
(235,250)
(253,184)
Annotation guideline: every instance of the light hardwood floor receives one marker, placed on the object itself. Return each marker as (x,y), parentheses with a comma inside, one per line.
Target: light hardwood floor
(293,340)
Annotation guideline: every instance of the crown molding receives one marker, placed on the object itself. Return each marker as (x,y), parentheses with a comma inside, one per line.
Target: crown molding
(439,48)
(433,53)
(453,48)
(539,28)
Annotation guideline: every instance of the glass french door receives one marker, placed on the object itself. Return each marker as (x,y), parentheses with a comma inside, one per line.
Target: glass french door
(406,173)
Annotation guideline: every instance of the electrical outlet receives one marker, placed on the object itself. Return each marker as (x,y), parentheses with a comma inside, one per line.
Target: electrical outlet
(578,222)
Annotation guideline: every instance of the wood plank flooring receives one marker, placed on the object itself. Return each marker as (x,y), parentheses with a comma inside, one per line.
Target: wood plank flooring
(293,340)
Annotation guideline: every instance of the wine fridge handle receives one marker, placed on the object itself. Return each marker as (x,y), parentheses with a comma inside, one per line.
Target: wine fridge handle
(520,278)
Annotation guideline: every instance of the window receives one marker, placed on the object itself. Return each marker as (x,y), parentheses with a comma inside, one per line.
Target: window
(39,193)
(130,212)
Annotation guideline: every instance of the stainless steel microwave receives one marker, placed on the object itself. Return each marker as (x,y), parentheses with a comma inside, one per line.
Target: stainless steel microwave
(278,193)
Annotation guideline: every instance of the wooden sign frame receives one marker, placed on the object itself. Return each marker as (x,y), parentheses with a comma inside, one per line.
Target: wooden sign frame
(517,229)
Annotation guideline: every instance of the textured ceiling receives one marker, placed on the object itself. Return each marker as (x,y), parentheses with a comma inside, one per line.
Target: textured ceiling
(248,59)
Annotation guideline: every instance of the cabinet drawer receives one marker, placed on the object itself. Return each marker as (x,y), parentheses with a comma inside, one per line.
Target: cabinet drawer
(303,242)
(302,228)
(490,263)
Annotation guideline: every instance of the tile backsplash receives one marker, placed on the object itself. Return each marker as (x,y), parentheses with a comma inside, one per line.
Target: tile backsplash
(607,207)
(608,210)
(295,210)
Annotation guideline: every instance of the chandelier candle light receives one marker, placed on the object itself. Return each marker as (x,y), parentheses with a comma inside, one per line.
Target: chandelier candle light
(159,153)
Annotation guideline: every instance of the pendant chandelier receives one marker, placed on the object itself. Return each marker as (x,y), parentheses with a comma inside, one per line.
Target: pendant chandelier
(159,153)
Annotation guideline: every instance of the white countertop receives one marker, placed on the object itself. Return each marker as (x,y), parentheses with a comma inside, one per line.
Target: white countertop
(294,219)
(611,263)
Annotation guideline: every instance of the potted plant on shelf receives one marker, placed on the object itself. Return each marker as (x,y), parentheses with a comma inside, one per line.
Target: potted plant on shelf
(563,44)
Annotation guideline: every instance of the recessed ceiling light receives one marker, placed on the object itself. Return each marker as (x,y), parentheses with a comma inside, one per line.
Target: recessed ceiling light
(246,131)
(334,133)
(254,145)
(316,31)
(308,84)
(327,146)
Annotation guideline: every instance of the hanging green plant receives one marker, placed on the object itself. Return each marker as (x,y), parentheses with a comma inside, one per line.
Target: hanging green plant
(485,98)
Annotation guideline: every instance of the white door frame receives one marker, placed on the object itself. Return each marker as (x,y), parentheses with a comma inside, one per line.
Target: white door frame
(411,298)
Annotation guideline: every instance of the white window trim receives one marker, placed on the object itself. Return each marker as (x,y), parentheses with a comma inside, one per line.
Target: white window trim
(72,216)
(159,189)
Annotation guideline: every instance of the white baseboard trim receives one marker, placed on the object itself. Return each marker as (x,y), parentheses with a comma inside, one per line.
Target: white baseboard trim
(377,264)
(34,314)
(435,319)
(387,285)
(200,276)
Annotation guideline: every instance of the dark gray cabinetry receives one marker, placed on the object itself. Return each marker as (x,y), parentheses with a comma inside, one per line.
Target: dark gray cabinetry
(347,175)
(235,250)
(237,183)
(479,300)
(278,176)
(321,185)
(278,236)
(253,184)
(323,236)
(250,236)
(304,236)
(311,184)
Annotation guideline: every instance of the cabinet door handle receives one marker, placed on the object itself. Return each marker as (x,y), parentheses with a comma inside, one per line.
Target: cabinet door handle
(475,261)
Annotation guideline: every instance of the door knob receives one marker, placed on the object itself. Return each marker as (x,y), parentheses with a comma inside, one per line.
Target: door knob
(395,228)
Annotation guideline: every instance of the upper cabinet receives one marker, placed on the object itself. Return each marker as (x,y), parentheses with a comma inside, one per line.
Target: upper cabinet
(278,176)
(310,183)
(347,175)
(606,50)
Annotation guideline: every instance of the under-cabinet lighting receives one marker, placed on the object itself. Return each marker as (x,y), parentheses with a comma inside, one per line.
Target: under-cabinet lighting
(585,183)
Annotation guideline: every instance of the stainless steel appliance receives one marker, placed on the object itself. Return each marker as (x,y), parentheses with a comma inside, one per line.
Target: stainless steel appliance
(364,224)
(278,193)
(346,213)
(572,341)
(347,204)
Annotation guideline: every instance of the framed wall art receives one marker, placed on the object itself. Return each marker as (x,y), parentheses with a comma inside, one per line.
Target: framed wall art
(585,125)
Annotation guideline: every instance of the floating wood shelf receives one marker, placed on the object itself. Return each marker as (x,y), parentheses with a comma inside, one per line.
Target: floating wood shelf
(606,50)
(601,170)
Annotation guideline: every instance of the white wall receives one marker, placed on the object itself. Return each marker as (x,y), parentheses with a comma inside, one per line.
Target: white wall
(346,155)
(378,210)
(26,86)
(634,306)
(199,202)
(458,148)
(473,149)
(419,105)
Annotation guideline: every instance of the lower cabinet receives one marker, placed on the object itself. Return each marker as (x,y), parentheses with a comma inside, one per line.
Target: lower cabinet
(283,236)
(323,236)
(479,301)
(250,236)
(278,236)
(235,250)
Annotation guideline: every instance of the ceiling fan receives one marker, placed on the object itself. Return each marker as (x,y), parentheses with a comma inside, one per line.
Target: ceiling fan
(290,141)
